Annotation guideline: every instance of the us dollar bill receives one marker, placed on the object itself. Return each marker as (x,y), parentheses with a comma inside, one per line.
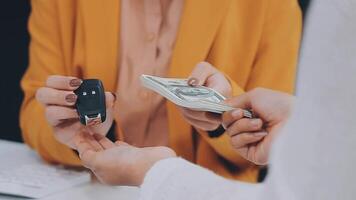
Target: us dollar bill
(197,98)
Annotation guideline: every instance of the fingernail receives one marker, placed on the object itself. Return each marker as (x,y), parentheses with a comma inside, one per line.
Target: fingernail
(75,82)
(236,113)
(255,122)
(260,134)
(193,82)
(71,98)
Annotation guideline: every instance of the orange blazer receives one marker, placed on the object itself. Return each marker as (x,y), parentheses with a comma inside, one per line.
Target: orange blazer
(255,43)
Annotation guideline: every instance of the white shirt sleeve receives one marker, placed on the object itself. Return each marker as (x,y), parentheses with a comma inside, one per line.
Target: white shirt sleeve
(178,179)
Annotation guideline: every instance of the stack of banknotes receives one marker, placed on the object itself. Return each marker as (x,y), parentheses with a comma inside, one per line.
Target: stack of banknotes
(194,97)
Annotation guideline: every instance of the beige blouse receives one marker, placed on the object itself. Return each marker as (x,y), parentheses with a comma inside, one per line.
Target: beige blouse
(148,34)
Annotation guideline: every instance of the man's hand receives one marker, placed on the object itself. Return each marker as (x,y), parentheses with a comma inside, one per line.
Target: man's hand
(58,98)
(252,138)
(205,74)
(118,163)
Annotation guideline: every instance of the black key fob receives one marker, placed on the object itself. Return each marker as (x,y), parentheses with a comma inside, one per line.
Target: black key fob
(91,102)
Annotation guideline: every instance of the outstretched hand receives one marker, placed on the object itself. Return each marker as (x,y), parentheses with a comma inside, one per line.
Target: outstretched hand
(118,163)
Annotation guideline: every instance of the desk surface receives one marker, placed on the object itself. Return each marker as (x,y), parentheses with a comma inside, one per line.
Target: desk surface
(86,191)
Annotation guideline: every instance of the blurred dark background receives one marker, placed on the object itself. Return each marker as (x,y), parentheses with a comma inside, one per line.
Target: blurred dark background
(13,60)
(14,41)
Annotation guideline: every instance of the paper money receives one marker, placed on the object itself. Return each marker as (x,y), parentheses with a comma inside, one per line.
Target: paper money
(197,98)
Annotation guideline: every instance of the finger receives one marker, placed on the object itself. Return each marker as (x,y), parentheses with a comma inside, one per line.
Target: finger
(231,116)
(118,143)
(201,73)
(220,83)
(242,101)
(201,115)
(244,139)
(57,114)
(86,152)
(63,82)
(206,126)
(213,117)
(50,96)
(114,94)
(244,125)
(103,141)
(93,142)
(110,99)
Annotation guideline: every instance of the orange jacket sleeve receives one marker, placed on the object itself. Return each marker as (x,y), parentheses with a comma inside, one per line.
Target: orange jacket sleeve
(45,59)
(274,66)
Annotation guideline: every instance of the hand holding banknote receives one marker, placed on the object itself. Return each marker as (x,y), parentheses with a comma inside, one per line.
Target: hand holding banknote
(204,74)
(199,104)
(246,135)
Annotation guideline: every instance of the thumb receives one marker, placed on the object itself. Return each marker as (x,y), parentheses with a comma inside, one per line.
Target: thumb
(242,101)
(201,73)
(110,99)
(85,150)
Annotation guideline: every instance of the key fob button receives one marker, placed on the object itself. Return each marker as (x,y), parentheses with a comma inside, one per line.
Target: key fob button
(90,104)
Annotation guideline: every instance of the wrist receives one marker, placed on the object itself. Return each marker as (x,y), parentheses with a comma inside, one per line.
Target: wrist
(157,154)
(217,132)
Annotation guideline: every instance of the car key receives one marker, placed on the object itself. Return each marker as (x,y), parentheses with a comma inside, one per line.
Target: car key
(90,103)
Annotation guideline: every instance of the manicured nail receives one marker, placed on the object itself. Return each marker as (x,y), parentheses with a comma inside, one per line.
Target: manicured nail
(236,113)
(71,98)
(75,82)
(260,134)
(193,82)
